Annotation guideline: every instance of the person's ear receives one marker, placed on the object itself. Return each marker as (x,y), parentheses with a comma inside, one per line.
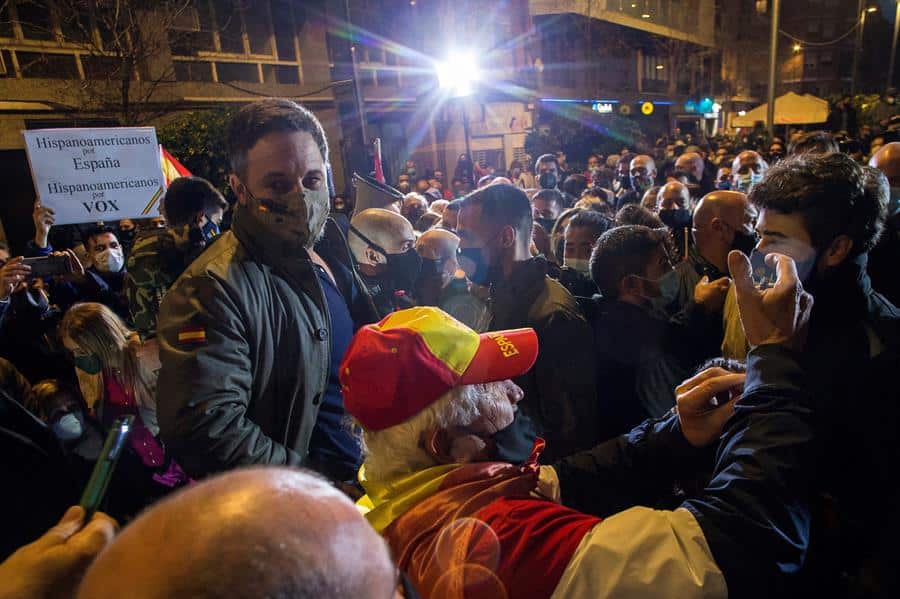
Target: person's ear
(436,443)
(239,189)
(374,257)
(838,251)
(507,237)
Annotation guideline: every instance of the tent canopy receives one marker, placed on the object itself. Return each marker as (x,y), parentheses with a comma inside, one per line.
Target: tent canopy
(790,109)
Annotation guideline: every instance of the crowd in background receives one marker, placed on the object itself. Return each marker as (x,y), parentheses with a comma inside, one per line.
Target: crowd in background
(227,348)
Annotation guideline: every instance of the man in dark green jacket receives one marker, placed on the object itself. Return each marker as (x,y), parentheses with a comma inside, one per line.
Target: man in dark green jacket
(495,225)
(249,333)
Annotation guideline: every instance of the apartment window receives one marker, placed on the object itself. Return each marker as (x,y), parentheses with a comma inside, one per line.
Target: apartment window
(283,25)
(102,67)
(6,24)
(812,26)
(238,72)
(193,71)
(35,21)
(828,30)
(47,66)
(288,75)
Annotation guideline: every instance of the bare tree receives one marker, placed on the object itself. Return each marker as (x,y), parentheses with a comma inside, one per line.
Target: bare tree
(123,47)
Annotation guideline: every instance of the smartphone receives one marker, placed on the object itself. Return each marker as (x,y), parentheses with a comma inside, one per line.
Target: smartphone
(48,266)
(95,490)
(763,275)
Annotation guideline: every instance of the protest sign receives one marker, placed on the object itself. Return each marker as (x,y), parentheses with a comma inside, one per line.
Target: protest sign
(90,175)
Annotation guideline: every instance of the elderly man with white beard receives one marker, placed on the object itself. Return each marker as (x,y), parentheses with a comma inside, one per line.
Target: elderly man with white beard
(433,400)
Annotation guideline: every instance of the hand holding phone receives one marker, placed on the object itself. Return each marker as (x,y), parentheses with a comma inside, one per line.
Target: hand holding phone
(95,490)
(43,267)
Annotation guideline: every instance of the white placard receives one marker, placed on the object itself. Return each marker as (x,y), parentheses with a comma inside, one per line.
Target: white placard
(90,175)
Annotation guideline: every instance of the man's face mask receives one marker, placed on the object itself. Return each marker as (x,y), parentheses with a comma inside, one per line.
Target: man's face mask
(546,223)
(401,269)
(68,427)
(296,218)
(641,182)
(744,182)
(548,180)
(109,260)
(676,218)
(475,264)
(581,265)
(724,184)
(744,241)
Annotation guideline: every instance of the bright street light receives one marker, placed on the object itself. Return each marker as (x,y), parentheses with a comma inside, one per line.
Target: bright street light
(797,47)
(458,74)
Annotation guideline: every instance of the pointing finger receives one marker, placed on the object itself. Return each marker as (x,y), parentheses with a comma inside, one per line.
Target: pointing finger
(699,378)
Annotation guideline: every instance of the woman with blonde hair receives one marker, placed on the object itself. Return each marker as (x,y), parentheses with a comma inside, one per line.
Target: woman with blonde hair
(116,381)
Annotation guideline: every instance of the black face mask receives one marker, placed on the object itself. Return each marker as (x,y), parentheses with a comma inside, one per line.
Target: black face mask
(401,269)
(548,180)
(126,237)
(743,242)
(676,219)
(546,223)
(514,443)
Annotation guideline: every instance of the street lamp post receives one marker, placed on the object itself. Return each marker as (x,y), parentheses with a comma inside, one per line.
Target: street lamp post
(773,65)
(861,11)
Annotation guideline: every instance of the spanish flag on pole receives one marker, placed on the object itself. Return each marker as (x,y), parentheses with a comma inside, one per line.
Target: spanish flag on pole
(171,168)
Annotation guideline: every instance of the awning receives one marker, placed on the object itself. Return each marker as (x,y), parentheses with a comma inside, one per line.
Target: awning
(790,109)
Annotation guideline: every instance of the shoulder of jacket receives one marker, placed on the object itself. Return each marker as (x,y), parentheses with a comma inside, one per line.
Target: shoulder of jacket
(553,302)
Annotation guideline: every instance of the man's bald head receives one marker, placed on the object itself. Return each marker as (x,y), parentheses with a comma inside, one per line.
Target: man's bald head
(642,161)
(437,244)
(390,231)
(887,160)
(729,206)
(673,195)
(257,532)
(748,161)
(691,163)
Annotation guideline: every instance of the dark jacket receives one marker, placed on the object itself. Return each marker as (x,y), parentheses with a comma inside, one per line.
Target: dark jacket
(559,389)
(754,512)
(853,357)
(245,349)
(639,362)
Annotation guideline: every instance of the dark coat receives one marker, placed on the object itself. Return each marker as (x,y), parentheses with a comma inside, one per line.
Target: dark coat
(245,350)
(559,389)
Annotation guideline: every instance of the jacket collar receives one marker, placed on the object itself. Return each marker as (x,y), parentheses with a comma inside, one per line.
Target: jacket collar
(515,294)
(843,290)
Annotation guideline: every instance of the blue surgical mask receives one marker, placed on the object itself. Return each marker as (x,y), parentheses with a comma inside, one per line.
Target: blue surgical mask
(68,427)
(744,183)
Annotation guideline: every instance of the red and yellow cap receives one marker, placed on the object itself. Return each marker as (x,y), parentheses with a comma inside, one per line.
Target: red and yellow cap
(396,368)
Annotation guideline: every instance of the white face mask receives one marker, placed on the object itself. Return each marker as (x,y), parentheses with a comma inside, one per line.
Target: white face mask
(582,265)
(109,260)
(68,428)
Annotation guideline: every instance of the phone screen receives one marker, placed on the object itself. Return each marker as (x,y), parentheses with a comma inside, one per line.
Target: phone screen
(48,266)
(764,276)
(95,490)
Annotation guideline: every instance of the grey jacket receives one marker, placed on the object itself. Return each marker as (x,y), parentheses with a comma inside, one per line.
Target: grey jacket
(245,350)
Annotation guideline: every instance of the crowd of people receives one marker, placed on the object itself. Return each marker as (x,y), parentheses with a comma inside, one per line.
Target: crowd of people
(666,372)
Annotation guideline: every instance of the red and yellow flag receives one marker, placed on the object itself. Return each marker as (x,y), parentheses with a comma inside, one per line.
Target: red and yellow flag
(171,168)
